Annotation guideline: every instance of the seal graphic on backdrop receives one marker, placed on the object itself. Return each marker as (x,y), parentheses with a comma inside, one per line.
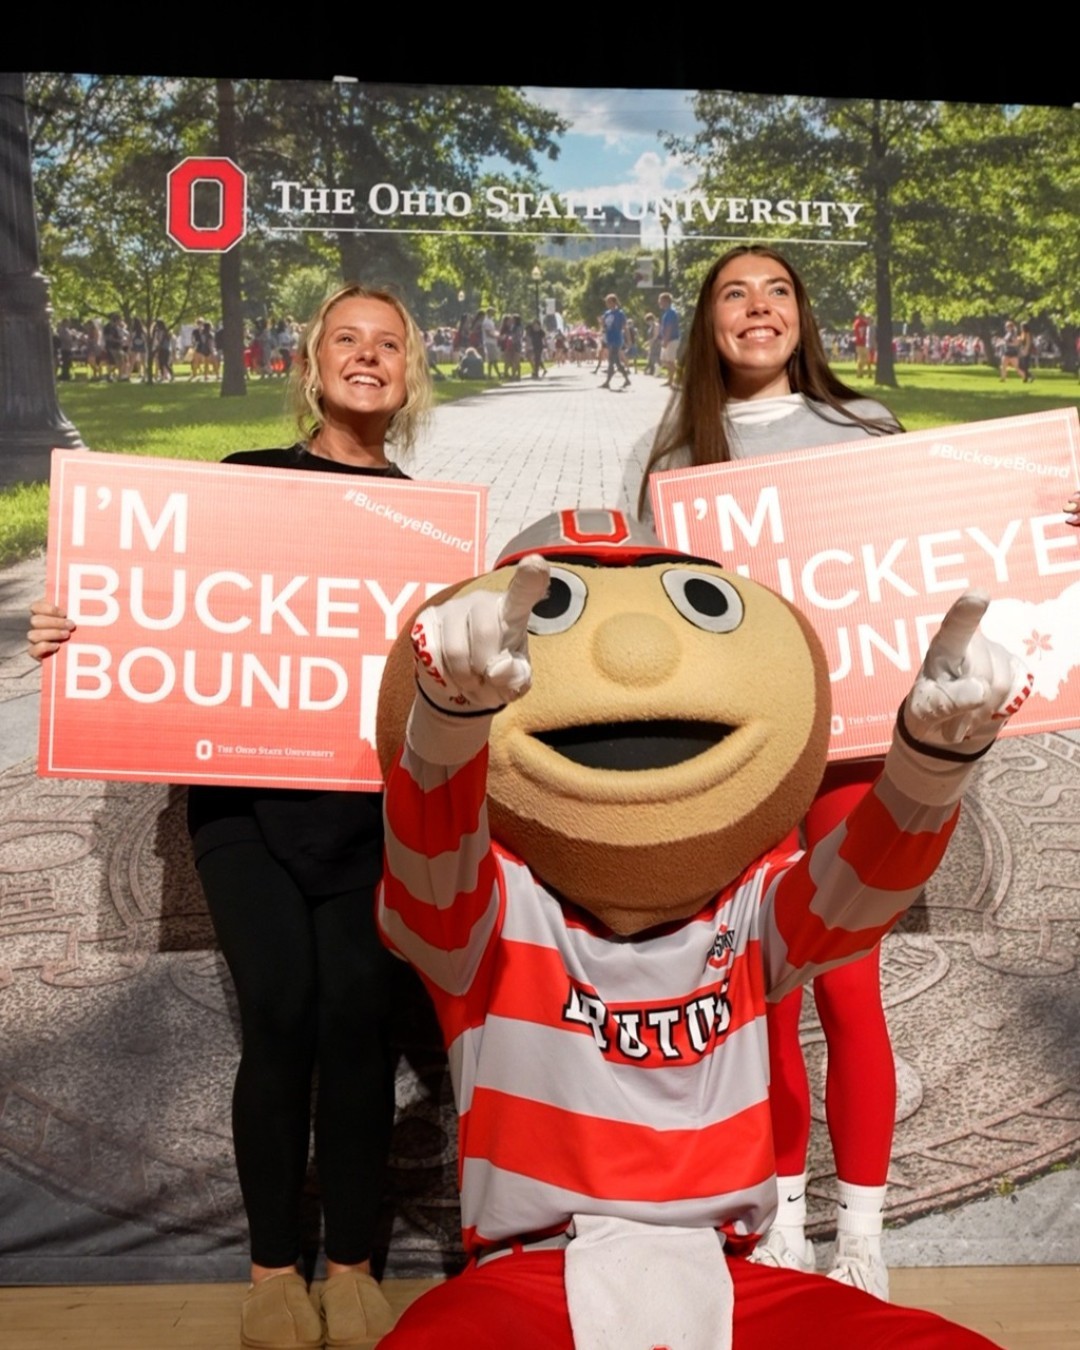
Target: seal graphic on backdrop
(121,1036)
(120,1048)
(979,985)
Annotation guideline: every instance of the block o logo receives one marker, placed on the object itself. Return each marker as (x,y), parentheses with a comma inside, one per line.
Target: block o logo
(229,222)
(613,528)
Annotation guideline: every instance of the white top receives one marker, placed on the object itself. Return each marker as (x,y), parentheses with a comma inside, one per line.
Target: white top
(769,426)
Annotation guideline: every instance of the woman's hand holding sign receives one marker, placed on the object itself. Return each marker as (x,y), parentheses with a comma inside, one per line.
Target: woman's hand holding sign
(49,627)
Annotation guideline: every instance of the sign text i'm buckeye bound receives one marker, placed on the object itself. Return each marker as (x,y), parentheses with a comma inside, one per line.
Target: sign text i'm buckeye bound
(232,623)
(873,540)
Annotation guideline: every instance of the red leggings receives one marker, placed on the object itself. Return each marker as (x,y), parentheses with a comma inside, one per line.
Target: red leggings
(860,1086)
(520,1300)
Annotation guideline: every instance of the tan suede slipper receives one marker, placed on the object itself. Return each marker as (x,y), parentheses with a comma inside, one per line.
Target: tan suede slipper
(278,1314)
(355,1312)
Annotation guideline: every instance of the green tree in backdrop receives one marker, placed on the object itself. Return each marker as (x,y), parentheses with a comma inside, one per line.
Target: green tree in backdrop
(103,145)
(969,214)
(101,148)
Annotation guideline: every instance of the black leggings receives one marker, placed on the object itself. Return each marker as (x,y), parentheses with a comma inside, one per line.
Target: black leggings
(314,985)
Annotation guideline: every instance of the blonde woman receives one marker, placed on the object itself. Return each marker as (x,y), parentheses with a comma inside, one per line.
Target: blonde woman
(289,878)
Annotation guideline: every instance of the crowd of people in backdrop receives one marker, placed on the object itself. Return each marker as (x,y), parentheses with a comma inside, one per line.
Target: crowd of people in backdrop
(948,349)
(115,351)
(481,347)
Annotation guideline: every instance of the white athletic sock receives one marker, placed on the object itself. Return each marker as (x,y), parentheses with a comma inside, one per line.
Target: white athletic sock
(791,1207)
(859,1212)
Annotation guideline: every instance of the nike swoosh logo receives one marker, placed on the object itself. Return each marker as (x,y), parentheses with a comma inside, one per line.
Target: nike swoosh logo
(792,1198)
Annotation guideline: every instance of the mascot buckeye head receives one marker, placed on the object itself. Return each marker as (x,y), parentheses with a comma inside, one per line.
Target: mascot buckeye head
(676,727)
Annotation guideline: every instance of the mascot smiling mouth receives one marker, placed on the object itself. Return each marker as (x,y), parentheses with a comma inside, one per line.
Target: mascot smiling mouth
(663,747)
(634,746)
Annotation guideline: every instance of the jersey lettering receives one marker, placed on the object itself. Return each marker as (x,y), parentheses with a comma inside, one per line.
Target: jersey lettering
(654,1034)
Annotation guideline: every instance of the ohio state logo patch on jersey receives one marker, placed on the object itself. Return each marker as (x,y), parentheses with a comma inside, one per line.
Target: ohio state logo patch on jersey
(723,949)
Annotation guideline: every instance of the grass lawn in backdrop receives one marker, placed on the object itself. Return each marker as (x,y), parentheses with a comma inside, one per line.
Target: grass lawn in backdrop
(938,396)
(191,421)
(182,420)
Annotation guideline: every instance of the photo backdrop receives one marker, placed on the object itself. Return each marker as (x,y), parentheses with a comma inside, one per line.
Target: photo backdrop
(935,222)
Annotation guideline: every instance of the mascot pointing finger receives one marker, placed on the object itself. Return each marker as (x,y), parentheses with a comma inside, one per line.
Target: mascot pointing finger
(595,757)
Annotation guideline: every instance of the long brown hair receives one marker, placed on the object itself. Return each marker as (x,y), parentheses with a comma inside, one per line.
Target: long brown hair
(695,419)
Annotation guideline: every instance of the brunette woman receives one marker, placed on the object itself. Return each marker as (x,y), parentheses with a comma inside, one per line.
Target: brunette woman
(756,381)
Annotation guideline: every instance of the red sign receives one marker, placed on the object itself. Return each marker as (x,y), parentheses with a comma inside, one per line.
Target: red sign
(232,624)
(874,540)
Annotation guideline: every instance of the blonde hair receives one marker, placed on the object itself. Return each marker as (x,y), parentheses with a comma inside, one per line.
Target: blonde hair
(305,390)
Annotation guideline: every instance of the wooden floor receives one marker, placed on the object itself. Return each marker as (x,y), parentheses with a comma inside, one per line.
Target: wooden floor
(1017,1307)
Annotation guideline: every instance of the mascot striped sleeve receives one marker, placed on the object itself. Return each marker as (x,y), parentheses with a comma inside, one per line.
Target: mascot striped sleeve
(627,1074)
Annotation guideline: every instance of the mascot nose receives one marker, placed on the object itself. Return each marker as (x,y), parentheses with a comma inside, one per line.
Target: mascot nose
(635,649)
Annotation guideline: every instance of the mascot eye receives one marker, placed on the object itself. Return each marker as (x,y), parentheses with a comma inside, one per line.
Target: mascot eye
(561,608)
(708,602)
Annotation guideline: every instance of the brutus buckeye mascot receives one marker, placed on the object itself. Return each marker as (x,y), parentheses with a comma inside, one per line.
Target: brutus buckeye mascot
(590,782)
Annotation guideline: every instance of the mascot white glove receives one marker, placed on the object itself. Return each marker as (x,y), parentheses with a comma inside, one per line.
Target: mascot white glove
(472,653)
(968,686)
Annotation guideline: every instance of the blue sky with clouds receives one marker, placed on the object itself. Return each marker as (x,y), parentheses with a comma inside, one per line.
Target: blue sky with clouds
(614,147)
(614,142)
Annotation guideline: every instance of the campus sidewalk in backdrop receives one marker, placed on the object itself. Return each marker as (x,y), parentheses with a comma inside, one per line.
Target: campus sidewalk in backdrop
(537,445)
